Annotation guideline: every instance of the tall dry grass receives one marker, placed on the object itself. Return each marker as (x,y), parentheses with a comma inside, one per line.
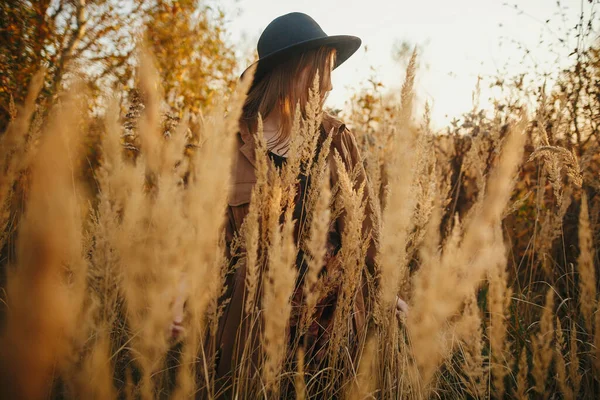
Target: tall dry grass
(90,294)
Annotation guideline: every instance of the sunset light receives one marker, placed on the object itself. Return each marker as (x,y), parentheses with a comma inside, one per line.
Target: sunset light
(314,199)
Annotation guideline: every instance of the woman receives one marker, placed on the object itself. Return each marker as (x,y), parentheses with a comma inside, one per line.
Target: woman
(292,50)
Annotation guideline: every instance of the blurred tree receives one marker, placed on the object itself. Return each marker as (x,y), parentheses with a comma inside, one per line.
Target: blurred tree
(194,59)
(95,39)
(62,35)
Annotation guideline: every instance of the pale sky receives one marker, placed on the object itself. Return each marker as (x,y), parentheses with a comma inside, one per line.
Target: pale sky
(460,39)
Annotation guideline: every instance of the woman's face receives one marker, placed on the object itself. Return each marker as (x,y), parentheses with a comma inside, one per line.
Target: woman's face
(327,85)
(327,78)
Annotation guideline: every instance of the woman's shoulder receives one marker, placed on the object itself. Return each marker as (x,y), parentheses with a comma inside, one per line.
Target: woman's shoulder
(343,140)
(332,123)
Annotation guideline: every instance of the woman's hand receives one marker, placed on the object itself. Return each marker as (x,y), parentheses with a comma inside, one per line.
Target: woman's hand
(401,306)
(176,328)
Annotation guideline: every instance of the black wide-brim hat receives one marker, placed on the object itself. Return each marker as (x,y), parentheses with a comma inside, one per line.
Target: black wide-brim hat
(293,33)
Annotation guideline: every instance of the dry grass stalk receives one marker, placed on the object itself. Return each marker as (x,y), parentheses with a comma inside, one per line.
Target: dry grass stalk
(561,369)
(585,265)
(425,184)
(204,205)
(558,157)
(150,261)
(316,244)
(441,289)
(351,256)
(400,200)
(597,340)
(279,285)
(542,352)
(574,374)
(250,227)
(149,231)
(95,380)
(470,333)
(499,296)
(13,149)
(522,381)
(364,384)
(46,287)
(300,383)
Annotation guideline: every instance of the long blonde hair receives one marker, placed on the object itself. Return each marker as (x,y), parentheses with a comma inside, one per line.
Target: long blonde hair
(280,88)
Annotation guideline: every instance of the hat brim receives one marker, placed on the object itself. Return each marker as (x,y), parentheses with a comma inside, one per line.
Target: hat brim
(345,45)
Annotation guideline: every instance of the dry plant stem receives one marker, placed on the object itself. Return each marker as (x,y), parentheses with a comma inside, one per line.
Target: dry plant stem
(45,290)
(585,265)
(300,383)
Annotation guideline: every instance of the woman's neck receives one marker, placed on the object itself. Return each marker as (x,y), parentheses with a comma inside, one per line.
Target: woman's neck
(271,131)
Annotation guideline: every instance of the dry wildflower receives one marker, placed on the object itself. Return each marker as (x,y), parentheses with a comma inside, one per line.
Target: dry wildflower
(542,353)
(585,265)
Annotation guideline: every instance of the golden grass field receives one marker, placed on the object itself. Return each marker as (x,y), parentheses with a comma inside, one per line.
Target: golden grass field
(490,234)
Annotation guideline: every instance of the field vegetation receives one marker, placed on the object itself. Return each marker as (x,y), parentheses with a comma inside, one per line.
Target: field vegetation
(112,205)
